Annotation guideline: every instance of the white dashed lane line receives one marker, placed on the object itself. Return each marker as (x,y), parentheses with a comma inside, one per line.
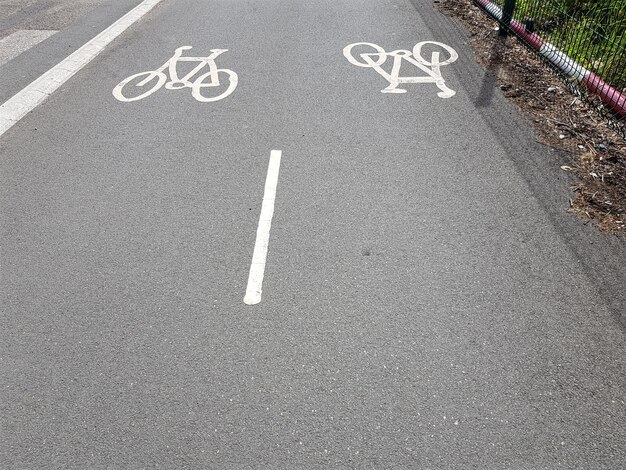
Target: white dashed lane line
(259,257)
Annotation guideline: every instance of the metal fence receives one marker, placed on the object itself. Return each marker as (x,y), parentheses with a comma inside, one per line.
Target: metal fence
(584,40)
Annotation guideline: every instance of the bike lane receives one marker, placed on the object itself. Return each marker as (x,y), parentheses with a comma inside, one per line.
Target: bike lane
(413,306)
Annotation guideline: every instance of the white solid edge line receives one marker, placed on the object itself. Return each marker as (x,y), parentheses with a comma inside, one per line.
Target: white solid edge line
(24,101)
(259,257)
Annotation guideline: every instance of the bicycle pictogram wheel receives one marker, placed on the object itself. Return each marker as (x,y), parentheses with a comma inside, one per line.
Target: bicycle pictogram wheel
(149,78)
(377,51)
(417,53)
(198,85)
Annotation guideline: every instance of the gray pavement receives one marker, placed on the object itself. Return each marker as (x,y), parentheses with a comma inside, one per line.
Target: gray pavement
(427,302)
(43,14)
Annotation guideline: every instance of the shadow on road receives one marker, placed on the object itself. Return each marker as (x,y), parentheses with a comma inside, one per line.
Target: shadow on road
(490,79)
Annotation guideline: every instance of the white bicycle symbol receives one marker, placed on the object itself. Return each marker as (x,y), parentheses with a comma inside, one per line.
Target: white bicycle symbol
(432,68)
(210,79)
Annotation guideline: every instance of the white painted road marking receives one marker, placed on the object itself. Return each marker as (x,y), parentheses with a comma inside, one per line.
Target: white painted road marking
(20,41)
(431,68)
(176,83)
(259,257)
(34,94)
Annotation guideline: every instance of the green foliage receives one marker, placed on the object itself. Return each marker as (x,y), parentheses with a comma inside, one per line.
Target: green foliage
(592,32)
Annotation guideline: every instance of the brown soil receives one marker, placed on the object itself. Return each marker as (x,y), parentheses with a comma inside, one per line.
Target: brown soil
(562,119)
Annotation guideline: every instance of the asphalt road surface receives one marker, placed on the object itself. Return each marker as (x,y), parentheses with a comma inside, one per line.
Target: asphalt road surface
(427,302)
(43,14)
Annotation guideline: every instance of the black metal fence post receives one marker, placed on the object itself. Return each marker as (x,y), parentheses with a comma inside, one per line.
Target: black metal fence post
(507,16)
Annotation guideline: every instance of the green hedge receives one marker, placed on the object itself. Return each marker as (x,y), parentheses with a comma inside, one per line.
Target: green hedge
(592,32)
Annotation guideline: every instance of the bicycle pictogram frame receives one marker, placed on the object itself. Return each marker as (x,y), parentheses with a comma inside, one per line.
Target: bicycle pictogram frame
(432,67)
(209,79)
